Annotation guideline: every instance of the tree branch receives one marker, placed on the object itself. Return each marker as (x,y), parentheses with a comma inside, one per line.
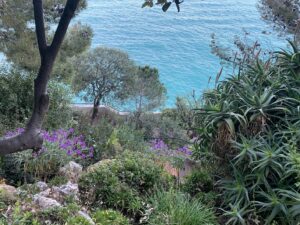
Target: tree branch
(39,25)
(64,22)
(31,138)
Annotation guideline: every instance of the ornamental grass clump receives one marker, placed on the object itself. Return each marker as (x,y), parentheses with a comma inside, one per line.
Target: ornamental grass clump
(173,207)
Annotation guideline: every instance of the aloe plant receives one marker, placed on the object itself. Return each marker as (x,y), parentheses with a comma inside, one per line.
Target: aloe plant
(253,119)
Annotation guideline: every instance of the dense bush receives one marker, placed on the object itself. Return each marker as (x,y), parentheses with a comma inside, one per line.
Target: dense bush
(251,122)
(198,181)
(161,126)
(96,136)
(173,207)
(16,97)
(110,140)
(122,183)
(60,114)
(129,138)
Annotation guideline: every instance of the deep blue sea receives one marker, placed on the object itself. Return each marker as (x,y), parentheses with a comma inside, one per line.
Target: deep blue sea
(177,43)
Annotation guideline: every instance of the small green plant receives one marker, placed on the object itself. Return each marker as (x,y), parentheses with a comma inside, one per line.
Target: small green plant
(20,217)
(57,180)
(77,220)
(109,217)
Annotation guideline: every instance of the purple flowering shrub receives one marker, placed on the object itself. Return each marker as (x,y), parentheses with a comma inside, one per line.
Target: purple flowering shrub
(59,147)
(176,156)
(161,148)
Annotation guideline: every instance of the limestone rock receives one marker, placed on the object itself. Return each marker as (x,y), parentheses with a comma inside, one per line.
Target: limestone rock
(86,216)
(71,171)
(8,193)
(95,166)
(60,193)
(45,203)
(42,186)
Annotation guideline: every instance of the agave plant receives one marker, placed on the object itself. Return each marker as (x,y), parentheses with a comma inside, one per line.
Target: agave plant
(236,214)
(236,189)
(254,117)
(274,206)
(290,60)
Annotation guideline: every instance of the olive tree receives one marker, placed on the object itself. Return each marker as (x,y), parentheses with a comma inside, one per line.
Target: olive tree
(31,138)
(19,15)
(100,75)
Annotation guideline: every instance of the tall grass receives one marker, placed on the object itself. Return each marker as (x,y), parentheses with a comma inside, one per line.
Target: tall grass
(175,208)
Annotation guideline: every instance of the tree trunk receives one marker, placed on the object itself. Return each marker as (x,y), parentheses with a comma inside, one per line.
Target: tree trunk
(138,121)
(95,110)
(31,138)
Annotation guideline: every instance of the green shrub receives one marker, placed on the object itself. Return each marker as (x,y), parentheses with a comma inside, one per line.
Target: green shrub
(29,167)
(16,98)
(96,136)
(156,126)
(109,217)
(60,215)
(77,220)
(130,139)
(198,181)
(19,217)
(60,113)
(16,95)
(123,182)
(173,207)
(57,181)
(67,215)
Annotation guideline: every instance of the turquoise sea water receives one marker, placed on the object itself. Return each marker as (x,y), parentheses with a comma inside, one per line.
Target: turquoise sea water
(176,43)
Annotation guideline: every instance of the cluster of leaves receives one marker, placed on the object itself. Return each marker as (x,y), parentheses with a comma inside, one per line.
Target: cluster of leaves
(15,98)
(109,140)
(251,122)
(164,3)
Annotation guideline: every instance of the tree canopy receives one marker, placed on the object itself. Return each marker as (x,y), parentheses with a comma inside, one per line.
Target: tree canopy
(100,74)
(144,91)
(18,41)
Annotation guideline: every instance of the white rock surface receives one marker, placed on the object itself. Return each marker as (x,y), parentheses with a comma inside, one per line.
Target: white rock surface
(45,203)
(42,186)
(7,192)
(86,216)
(71,171)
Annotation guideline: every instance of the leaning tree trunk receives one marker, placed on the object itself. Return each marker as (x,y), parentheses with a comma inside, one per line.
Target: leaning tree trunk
(31,138)
(95,110)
